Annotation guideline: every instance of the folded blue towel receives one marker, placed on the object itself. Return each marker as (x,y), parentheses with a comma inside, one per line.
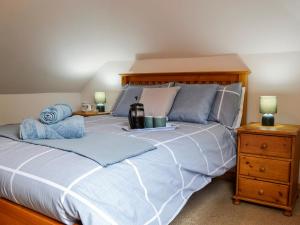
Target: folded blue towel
(72,127)
(55,113)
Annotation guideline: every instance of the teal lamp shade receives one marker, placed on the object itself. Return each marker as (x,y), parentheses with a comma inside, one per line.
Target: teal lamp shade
(268,107)
(100,100)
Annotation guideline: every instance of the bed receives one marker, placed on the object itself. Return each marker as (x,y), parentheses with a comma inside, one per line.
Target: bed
(124,192)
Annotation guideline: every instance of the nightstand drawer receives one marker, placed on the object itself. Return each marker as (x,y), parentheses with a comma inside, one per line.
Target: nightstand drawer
(266,145)
(265,168)
(264,191)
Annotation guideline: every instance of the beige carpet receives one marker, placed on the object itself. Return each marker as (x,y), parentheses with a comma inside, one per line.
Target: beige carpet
(213,206)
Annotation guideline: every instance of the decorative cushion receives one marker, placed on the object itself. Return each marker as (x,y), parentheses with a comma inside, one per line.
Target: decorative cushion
(158,101)
(193,102)
(127,97)
(227,104)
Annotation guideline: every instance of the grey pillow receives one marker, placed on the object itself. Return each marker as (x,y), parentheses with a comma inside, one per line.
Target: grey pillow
(227,104)
(127,97)
(193,102)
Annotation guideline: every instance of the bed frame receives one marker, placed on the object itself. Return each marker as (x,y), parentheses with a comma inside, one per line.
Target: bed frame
(13,214)
(227,77)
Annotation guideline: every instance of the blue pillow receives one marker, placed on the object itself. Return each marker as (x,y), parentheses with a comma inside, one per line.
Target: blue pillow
(227,104)
(127,97)
(193,103)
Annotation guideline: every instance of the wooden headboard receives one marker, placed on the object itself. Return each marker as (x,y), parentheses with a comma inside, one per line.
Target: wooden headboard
(223,78)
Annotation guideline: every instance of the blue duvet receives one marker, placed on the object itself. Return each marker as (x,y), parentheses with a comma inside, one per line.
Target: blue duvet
(150,188)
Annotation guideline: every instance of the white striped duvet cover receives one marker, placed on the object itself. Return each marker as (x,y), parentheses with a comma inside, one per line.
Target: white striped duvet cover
(147,189)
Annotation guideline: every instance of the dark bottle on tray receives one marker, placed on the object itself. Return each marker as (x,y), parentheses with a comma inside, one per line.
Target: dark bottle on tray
(136,116)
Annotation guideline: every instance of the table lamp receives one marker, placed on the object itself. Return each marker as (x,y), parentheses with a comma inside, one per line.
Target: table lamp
(268,107)
(100,101)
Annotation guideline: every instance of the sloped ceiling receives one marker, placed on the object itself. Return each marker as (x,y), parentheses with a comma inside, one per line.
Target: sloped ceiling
(56,46)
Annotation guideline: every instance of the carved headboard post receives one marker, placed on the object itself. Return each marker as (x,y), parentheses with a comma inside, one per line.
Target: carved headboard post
(223,77)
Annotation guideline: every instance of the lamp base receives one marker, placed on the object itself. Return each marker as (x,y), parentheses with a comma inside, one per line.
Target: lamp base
(100,108)
(268,120)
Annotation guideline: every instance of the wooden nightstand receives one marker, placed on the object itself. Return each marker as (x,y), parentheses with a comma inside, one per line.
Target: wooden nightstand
(92,113)
(268,165)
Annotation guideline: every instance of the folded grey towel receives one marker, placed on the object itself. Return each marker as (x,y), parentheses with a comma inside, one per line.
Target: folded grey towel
(55,113)
(72,127)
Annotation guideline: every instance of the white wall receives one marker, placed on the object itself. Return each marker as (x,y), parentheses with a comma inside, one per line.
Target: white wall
(16,107)
(51,47)
(107,79)
(275,74)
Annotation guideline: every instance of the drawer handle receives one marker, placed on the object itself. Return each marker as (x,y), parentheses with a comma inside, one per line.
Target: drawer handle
(262,169)
(261,192)
(264,146)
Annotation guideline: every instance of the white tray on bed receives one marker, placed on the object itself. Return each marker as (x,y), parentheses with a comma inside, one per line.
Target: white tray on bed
(169,126)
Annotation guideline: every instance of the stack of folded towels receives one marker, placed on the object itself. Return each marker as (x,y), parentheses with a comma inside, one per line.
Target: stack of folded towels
(56,122)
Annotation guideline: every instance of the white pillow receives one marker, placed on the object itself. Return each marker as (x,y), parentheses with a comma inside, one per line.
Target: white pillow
(158,101)
(238,119)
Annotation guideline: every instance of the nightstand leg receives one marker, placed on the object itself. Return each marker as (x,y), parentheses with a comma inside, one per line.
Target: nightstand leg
(236,201)
(287,212)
